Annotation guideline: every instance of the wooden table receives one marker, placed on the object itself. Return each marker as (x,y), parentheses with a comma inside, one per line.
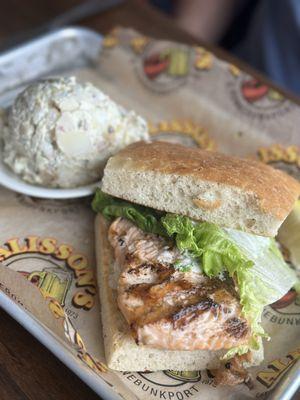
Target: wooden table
(27,369)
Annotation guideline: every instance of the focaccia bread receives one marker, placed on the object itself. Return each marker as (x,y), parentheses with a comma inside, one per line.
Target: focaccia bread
(230,192)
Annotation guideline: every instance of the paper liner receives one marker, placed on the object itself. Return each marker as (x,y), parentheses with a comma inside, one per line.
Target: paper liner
(47,247)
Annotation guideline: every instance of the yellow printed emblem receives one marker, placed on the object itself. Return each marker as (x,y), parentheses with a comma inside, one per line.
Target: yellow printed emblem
(53,267)
(277,368)
(110,41)
(181,131)
(139,43)
(235,71)
(204,59)
(277,152)
(286,158)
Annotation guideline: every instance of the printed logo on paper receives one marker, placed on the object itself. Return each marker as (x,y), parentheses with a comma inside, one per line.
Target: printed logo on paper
(139,44)
(203,59)
(163,67)
(64,278)
(276,369)
(286,158)
(111,40)
(171,378)
(57,269)
(255,98)
(289,304)
(184,132)
(75,339)
(169,384)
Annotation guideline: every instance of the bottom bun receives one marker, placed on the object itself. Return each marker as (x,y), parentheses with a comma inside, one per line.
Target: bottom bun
(121,351)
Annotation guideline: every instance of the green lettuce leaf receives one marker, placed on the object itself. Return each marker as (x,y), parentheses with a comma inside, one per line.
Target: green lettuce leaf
(208,242)
(145,218)
(254,262)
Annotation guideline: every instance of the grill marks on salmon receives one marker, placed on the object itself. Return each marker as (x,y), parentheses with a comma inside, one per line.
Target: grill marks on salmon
(167,308)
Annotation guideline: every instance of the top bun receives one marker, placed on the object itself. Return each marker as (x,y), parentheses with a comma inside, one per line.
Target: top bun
(208,186)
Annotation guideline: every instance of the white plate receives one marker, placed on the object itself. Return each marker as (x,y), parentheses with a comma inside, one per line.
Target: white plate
(13,182)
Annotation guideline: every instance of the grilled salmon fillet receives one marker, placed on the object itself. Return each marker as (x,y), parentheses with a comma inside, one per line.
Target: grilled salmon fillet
(167,308)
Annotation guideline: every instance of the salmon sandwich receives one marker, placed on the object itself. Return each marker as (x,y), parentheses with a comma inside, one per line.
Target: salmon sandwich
(186,258)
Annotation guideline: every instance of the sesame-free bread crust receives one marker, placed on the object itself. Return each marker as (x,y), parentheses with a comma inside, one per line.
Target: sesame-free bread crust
(121,351)
(229,191)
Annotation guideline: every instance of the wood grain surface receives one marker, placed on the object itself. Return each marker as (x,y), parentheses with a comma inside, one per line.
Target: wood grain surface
(27,369)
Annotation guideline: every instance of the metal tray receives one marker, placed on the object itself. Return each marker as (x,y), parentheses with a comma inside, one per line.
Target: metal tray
(53,54)
(58,53)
